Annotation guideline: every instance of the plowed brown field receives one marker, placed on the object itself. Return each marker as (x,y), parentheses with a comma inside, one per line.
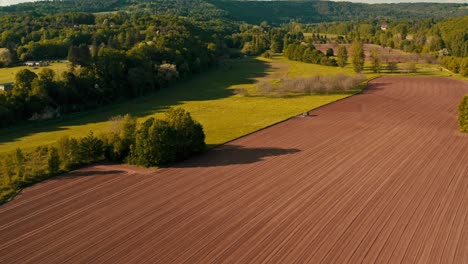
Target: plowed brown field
(381,177)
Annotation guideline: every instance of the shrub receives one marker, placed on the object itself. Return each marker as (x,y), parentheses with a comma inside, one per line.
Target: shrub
(90,149)
(464,67)
(189,134)
(266,55)
(155,144)
(53,161)
(19,162)
(7,169)
(68,152)
(162,142)
(122,135)
(463,114)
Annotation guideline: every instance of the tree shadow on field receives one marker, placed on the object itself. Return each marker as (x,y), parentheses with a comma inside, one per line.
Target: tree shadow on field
(233,155)
(210,85)
(376,86)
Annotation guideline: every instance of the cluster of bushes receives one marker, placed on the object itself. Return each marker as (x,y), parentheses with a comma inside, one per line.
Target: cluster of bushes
(313,85)
(456,65)
(151,143)
(463,114)
(308,54)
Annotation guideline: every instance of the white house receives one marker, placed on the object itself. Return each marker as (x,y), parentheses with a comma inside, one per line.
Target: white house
(37,63)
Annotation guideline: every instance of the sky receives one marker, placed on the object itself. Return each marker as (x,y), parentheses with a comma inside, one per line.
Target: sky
(11,2)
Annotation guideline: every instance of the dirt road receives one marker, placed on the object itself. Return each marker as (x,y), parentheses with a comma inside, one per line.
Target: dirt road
(381,177)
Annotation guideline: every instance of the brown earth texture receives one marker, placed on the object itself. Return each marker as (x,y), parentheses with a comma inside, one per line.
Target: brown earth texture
(381,177)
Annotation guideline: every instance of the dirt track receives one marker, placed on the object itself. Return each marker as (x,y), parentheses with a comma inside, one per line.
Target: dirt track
(380,177)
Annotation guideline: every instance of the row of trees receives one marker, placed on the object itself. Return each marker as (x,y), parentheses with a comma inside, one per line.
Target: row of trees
(151,143)
(308,54)
(419,36)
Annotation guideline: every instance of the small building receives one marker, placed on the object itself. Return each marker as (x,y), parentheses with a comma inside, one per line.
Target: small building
(43,63)
(7,87)
(37,63)
(384,27)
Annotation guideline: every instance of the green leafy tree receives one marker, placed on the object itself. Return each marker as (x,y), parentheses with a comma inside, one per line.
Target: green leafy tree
(189,133)
(19,164)
(23,81)
(342,56)
(357,56)
(464,67)
(80,55)
(162,142)
(91,149)
(68,149)
(8,169)
(53,161)
(375,57)
(155,144)
(118,143)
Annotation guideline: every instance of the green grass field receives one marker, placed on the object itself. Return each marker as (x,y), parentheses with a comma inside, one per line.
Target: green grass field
(8,74)
(208,96)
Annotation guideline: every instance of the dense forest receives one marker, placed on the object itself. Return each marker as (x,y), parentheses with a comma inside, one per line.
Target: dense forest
(274,12)
(114,57)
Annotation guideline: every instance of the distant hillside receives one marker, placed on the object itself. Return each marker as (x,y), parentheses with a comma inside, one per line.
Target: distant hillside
(275,12)
(320,11)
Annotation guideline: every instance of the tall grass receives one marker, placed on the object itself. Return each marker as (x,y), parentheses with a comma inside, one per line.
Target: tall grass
(318,84)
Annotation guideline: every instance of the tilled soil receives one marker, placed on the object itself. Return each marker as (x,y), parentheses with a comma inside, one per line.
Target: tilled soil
(380,177)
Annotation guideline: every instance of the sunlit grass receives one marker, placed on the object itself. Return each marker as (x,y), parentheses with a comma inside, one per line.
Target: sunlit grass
(8,74)
(211,99)
(208,96)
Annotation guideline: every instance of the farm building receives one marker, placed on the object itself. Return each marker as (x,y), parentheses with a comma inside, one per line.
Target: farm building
(37,63)
(6,86)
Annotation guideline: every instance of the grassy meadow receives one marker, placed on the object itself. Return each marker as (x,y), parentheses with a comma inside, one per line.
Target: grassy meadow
(210,97)
(8,74)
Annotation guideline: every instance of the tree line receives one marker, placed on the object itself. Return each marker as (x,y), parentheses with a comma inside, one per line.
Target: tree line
(155,142)
(439,37)
(309,54)
(275,12)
